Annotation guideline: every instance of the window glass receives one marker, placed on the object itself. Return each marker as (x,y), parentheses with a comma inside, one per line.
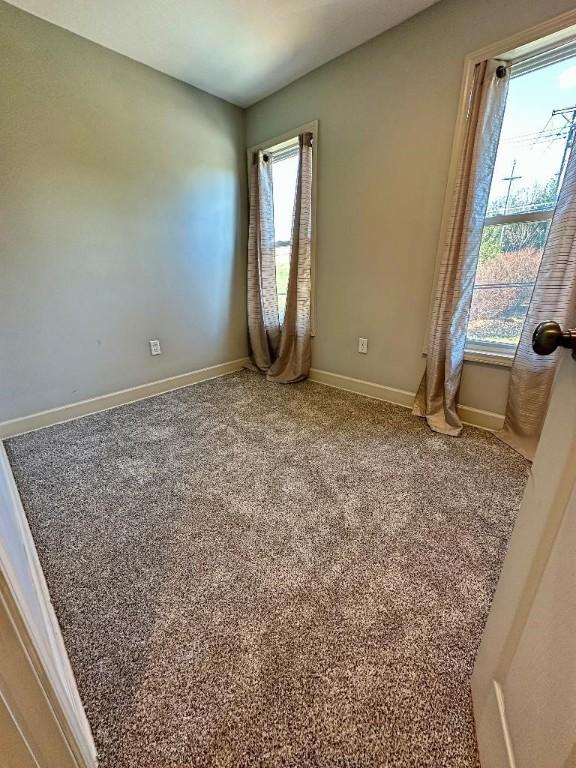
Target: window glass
(537,133)
(284,176)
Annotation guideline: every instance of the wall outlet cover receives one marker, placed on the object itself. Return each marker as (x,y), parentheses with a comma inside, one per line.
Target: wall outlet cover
(155,348)
(363,346)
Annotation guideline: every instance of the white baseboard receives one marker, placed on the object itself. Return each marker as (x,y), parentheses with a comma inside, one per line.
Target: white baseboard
(473,416)
(482,419)
(114,399)
(499,696)
(360,387)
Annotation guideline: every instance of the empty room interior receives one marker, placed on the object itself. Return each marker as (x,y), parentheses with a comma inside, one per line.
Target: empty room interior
(287,384)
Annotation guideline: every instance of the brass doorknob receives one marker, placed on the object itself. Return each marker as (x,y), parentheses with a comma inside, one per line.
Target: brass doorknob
(548,336)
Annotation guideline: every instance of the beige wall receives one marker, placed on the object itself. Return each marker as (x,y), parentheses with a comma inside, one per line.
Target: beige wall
(122,206)
(387,112)
(122,217)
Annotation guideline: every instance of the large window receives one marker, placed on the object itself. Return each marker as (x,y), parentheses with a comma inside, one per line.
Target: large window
(537,133)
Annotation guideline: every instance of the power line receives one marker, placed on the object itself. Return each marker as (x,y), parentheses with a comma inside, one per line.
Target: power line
(566,132)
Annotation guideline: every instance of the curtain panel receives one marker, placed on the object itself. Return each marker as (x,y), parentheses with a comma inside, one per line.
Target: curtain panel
(283,353)
(436,399)
(263,323)
(553,298)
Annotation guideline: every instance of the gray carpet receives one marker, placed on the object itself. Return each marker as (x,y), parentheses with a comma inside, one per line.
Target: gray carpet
(251,574)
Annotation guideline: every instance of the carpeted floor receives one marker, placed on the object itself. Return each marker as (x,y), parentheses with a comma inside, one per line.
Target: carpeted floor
(251,574)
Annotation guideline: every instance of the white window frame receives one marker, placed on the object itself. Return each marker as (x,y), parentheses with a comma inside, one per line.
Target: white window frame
(532,49)
(503,353)
(311,127)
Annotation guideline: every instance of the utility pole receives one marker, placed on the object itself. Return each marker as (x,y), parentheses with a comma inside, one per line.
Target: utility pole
(510,179)
(569,115)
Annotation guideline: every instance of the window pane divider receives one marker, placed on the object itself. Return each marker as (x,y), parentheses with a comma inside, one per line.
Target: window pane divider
(514,218)
(503,285)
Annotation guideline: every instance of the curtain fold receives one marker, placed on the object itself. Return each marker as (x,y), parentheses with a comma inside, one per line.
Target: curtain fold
(263,323)
(294,354)
(282,353)
(553,298)
(438,391)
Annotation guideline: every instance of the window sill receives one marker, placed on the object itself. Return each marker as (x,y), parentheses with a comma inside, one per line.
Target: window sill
(504,359)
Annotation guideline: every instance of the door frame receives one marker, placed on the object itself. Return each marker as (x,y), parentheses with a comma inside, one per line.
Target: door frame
(42,718)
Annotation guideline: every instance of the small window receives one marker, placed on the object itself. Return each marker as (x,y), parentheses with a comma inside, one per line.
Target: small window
(283,154)
(537,133)
(284,177)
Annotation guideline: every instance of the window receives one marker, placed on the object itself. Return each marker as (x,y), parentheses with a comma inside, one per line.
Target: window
(537,133)
(284,176)
(284,153)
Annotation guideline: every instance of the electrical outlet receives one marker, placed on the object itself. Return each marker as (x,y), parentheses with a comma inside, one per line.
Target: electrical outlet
(155,348)
(363,346)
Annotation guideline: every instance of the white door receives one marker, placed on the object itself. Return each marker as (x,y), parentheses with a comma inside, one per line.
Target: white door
(42,721)
(524,681)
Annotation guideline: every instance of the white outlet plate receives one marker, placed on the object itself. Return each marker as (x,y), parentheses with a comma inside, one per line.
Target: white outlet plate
(363,346)
(155,348)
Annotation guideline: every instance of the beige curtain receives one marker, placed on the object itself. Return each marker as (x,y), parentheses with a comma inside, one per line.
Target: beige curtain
(553,298)
(436,397)
(282,353)
(263,324)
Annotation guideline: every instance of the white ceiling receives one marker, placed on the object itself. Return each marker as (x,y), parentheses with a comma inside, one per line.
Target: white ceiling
(240,50)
